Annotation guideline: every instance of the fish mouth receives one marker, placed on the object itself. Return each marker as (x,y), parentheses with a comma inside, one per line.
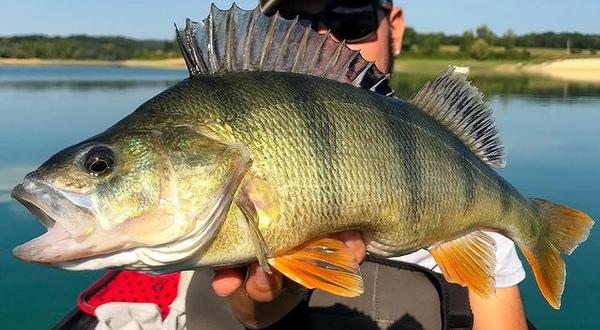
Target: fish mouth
(48,207)
(28,200)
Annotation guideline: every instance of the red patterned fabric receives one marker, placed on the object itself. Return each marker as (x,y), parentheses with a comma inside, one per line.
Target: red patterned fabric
(129,286)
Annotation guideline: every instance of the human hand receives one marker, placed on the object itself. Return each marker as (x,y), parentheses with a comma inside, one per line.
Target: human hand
(261,296)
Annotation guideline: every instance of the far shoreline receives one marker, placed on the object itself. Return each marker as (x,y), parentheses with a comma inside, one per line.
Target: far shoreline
(582,70)
(169,63)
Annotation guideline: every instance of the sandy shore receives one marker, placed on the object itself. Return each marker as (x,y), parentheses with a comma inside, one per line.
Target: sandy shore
(578,70)
(171,63)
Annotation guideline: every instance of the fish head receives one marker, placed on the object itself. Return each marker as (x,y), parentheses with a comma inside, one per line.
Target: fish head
(117,200)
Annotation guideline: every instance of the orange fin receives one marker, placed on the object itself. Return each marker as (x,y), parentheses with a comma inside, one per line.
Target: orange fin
(325,264)
(548,269)
(566,229)
(469,261)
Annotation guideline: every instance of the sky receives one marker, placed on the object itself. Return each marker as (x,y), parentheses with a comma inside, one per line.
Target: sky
(153,19)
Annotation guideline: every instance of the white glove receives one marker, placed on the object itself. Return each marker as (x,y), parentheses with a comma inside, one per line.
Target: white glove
(128,316)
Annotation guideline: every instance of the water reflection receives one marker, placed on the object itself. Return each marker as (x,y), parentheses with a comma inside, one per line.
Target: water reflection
(86,78)
(85,85)
(405,84)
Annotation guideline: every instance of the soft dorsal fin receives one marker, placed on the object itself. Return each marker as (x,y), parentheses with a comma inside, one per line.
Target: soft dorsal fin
(247,40)
(461,108)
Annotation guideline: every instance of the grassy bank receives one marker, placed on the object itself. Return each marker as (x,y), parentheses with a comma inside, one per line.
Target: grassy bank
(432,65)
(535,54)
(573,69)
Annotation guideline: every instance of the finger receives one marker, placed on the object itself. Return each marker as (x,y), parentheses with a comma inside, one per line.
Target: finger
(355,242)
(226,281)
(261,286)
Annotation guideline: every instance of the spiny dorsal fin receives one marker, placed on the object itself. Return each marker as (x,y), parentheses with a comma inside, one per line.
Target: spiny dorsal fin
(461,108)
(247,40)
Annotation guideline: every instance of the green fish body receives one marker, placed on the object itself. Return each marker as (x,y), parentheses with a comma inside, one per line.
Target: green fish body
(338,158)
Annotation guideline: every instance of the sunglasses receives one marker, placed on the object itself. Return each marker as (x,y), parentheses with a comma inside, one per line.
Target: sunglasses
(351,21)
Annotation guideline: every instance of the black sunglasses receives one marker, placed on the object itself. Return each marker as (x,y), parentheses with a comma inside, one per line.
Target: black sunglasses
(351,21)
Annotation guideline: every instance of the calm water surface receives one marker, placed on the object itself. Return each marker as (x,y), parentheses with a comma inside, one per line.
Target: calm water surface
(550,130)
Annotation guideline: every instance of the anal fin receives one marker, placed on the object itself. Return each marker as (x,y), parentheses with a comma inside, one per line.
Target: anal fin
(469,261)
(325,264)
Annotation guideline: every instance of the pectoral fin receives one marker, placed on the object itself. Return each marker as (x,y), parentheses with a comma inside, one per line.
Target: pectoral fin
(260,245)
(325,264)
(469,261)
(259,203)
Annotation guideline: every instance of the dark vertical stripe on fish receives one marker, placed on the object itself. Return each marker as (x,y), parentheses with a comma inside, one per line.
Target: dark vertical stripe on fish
(319,125)
(504,191)
(226,95)
(405,139)
(469,185)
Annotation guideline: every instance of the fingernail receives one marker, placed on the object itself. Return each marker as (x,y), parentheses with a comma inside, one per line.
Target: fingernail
(350,243)
(261,278)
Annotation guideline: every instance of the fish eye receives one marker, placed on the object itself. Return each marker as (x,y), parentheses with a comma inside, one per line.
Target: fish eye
(99,161)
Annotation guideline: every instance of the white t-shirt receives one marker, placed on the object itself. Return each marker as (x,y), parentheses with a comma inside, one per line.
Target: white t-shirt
(509,270)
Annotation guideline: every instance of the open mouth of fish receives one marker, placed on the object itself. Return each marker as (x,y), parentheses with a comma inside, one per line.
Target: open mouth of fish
(46,205)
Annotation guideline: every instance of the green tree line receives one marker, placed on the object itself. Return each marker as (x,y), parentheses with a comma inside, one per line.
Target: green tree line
(482,43)
(81,47)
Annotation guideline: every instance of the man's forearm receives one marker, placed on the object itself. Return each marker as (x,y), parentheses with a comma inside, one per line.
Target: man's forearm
(505,311)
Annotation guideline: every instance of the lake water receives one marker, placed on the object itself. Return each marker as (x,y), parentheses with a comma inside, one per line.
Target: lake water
(550,130)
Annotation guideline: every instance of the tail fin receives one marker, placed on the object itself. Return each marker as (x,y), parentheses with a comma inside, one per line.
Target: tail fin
(566,229)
